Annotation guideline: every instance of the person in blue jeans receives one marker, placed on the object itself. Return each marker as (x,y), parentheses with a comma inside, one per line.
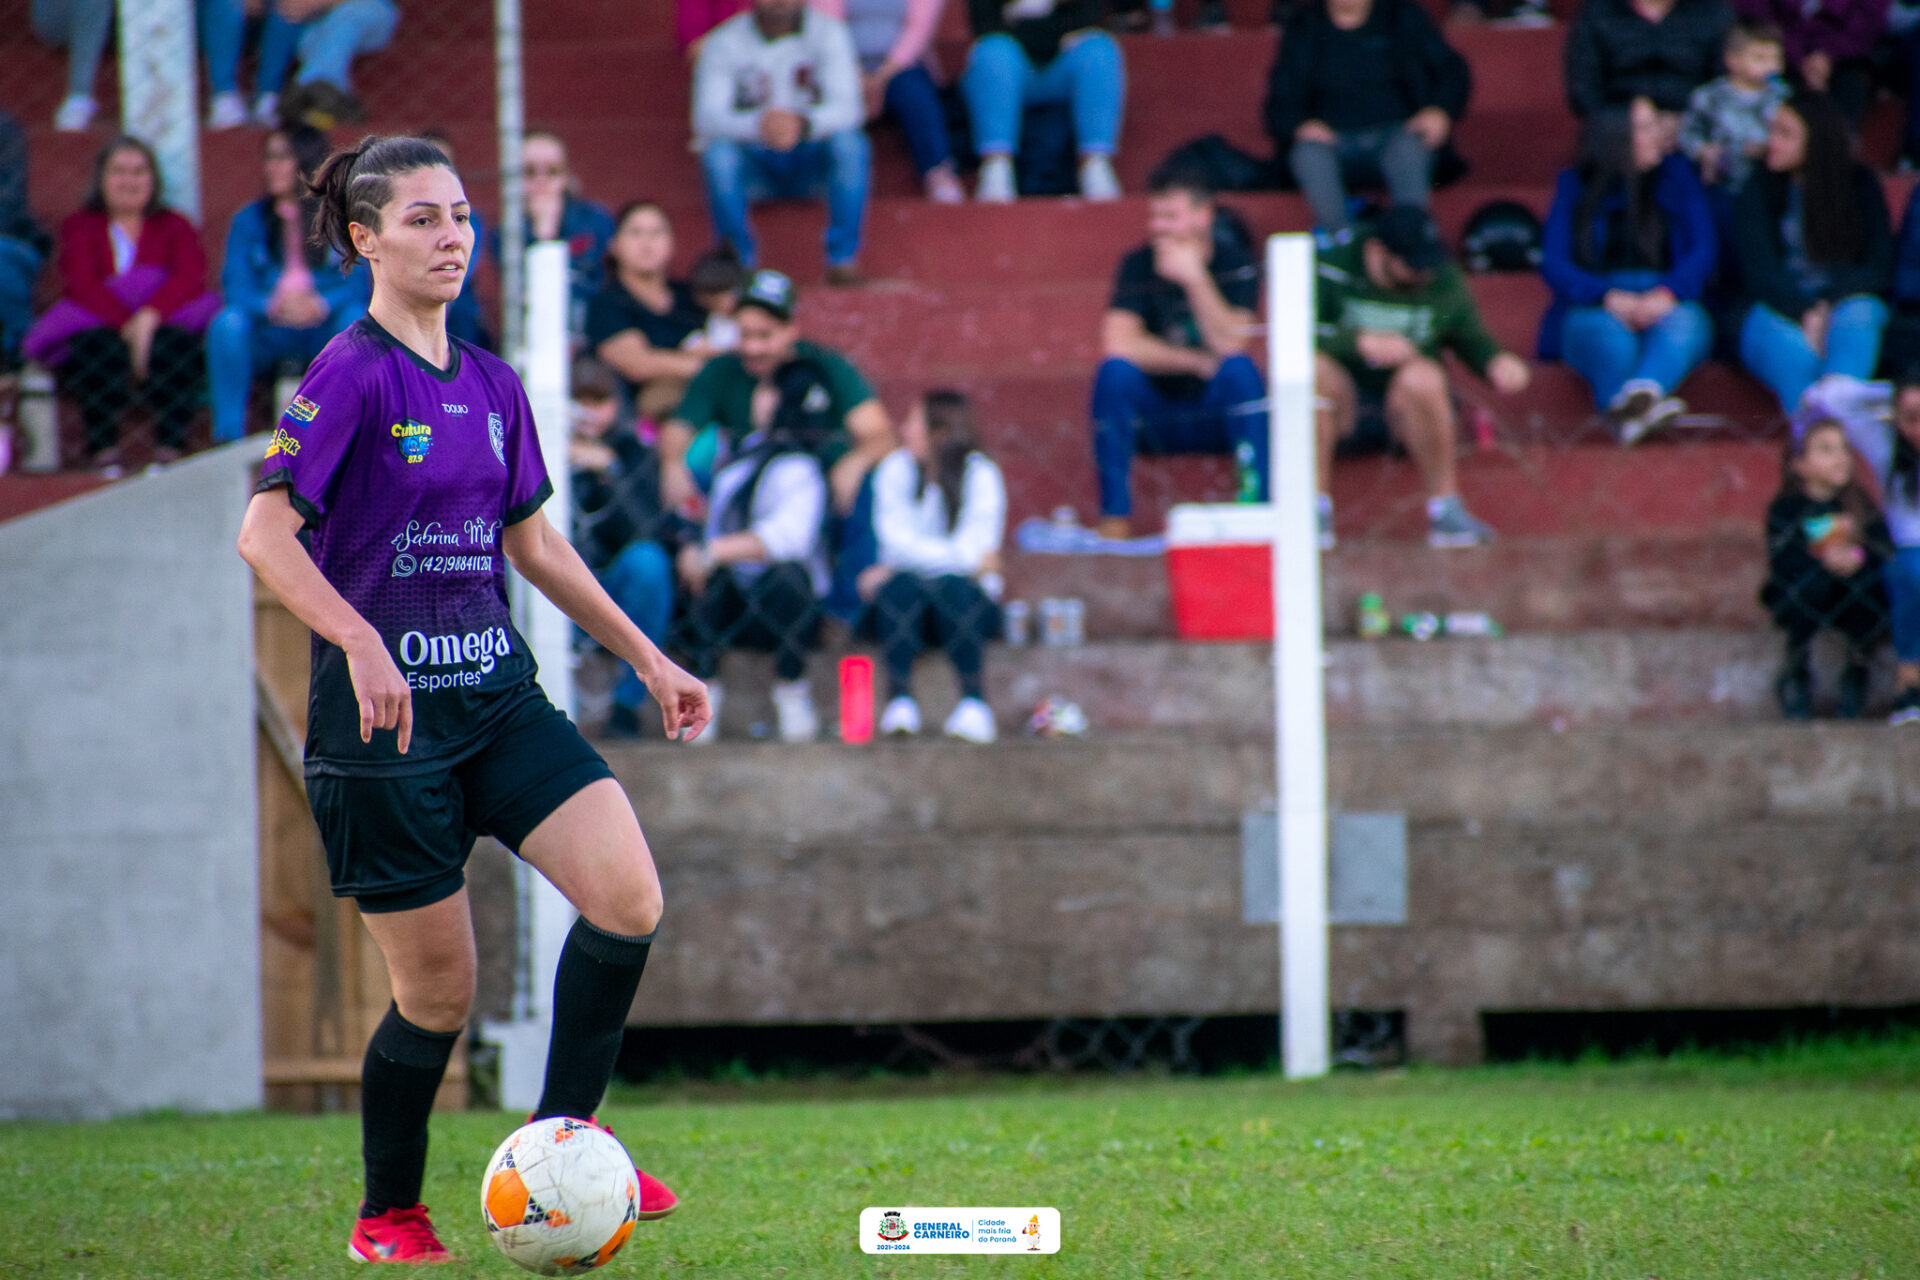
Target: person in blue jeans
(285,298)
(1029,52)
(891,39)
(223,28)
(1177,377)
(1811,234)
(618,522)
(777,111)
(1628,248)
(327,35)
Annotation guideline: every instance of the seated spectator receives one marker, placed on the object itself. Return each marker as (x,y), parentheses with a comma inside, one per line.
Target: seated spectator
(133,305)
(647,328)
(1829,45)
(1389,303)
(1628,249)
(891,39)
(1661,50)
(1177,377)
(1032,51)
(223,30)
(939,512)
(81,28)
(1900,343)
(23,245)
(285,297)
(618,526)
(557,211)
(1826,544)
(327,34)
(1363,91)
(715,281)
(1815,252)
(734,396)
(777,112)
(1725,129)
(1891,450)
(754,581)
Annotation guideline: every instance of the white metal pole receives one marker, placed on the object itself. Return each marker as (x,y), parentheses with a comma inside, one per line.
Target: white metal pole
(1300,720)
(510,88)
(159,72)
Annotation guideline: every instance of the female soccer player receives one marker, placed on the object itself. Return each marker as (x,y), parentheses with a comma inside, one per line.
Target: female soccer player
(409,465)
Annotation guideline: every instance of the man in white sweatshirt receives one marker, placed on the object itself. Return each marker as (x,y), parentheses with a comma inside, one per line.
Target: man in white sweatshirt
(777,112)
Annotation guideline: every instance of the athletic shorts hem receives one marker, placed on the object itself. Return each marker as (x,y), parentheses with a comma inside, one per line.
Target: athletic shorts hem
(387,901)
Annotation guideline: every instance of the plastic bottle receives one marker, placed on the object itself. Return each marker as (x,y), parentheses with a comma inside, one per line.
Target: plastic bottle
(856,699)
(1471,624)
(1421,626)
(1016,619)
(1371,619)
(1249,475)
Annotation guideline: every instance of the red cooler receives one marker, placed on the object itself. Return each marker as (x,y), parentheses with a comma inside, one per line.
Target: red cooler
(1220,570)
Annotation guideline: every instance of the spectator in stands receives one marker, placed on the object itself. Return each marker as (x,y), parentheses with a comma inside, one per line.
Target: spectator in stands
(557,211)
(1389,303)
(1662,50)
(81,28)
(1028,52)
(891,39)
(646,327)
(133,305)
(1363,91)
(285,297)
(939,513)
(1177,376)
(327,34)
(1829,45)
(755,579)
(23,245)
(777,112)
(1826,545)
(735,395)
(1900,344)
(1628,249)
(715,281)
(1725,129)
(1815,251)
(618,526)
(223,29)
(1891,449)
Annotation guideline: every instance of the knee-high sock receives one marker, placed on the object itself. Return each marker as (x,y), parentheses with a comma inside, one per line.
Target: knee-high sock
(398,1079)
(592,993)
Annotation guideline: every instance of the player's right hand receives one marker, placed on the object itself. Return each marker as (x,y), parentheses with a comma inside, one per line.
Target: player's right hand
(386,700)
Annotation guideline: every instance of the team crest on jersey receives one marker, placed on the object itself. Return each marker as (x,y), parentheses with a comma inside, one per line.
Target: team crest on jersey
(414,439)
(302,409)
(497,437)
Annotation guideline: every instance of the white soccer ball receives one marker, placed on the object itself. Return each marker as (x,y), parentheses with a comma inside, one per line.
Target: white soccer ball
(560,1197)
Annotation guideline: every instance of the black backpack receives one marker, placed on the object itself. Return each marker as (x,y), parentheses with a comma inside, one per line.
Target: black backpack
(1502,236)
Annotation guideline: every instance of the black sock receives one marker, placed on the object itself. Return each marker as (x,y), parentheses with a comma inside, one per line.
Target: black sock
(401,1074)
(592,995)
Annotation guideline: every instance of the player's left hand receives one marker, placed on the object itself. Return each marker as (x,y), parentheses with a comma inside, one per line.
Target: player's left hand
(684,709)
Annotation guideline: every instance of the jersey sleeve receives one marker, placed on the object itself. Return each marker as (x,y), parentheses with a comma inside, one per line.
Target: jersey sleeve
(528,487)
(315,436)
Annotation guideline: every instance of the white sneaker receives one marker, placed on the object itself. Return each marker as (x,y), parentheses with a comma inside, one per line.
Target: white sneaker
(1097,180)
(266,110)
(901,717)
(227,111)
(710,734)
(971,721)
(996,181)
(793,708)
(75,114)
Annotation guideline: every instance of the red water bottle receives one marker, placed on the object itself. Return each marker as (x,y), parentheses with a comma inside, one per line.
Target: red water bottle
(856,699)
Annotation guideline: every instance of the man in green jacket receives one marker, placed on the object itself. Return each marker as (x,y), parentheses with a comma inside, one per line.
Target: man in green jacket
(1390,302)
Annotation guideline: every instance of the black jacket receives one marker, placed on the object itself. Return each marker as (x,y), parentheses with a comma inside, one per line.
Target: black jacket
(1757,212)
(1797,582)
(1425,68)
(620,506)
(1040,37)
(1614,55)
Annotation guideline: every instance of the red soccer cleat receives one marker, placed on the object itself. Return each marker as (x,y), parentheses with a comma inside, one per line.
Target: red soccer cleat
(657,1199)
(398,1235)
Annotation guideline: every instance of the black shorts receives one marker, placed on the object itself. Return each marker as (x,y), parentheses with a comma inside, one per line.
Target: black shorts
(397,843)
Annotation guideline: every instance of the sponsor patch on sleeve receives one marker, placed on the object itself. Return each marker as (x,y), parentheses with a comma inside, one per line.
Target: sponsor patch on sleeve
(302,409)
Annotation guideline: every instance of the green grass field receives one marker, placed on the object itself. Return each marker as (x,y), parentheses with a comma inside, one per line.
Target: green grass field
(1798,1162)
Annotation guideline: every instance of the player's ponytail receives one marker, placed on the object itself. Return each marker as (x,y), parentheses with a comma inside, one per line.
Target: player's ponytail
(354,186)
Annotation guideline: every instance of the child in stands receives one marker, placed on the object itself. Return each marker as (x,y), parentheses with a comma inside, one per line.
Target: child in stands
(1725,129)
(1892,450)
(1826,545)
(715,281)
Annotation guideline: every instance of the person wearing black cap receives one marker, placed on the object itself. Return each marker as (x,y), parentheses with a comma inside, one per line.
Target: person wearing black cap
(1389,303)
(734,395)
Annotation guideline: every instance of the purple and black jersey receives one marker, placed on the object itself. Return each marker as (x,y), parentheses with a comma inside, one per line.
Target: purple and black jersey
(407,475)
